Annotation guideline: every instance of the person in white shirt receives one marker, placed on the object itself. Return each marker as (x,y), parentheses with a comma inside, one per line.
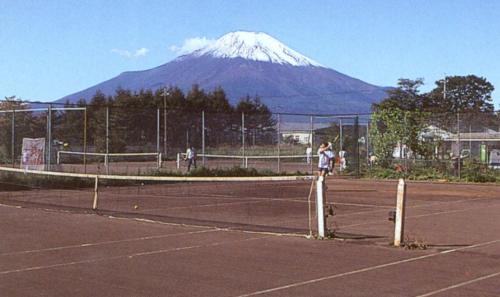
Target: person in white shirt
(190,157)
(343,164)
(326,159)
(309,154)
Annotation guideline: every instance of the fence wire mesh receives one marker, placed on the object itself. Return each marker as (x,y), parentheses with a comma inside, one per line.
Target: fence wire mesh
(154,138)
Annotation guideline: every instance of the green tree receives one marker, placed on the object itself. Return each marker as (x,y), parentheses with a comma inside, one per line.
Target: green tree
(406,97)
(468,95)
(399,121)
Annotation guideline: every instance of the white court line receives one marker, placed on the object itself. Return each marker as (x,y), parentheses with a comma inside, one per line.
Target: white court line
(423,215)
(460,284)
(371,268)
(102,243)
(126,256)
(420,206)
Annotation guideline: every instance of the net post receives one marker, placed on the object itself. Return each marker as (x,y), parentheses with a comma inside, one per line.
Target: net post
(320,206)
(400,213)
(159,161)
(96,191)
(178,161)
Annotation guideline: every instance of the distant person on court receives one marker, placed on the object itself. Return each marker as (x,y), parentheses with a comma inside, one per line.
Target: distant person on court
(342,161)
(325,162)
(190,157)
(309,153)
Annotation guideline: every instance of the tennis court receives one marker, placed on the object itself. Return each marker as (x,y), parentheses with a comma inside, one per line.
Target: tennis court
(51,251)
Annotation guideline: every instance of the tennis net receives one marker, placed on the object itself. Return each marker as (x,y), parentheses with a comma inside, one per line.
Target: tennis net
(278,204)
(108,163)
(274,163)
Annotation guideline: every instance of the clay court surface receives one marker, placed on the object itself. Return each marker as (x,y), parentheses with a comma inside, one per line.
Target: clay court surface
(250,241)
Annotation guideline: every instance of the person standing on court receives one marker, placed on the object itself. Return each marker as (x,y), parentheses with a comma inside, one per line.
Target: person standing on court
(325,162)
(309,153)
(190,157)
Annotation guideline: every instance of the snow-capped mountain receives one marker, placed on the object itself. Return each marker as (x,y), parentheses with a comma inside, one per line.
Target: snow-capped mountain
(249,63)
(255,46)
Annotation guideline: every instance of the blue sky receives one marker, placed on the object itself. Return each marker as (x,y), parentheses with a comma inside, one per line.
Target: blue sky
(50,48)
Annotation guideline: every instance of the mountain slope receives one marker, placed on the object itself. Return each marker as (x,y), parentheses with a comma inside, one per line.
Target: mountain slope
(246,63)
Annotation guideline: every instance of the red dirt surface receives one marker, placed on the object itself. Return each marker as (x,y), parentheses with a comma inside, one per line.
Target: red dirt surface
(48,252)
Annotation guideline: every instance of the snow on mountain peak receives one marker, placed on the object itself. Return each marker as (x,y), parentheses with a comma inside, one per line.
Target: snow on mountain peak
(255,46)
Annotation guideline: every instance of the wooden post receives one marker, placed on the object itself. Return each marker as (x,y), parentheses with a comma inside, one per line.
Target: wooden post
(320,210)
(400,213)
(96,191)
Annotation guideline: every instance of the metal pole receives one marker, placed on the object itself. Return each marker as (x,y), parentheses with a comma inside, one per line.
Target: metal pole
(165,122)
(459,144)
(312,144)
(49,136)
(243,137)
(106,161)
(279,143)
(367,139)
(203,136)
(13,139)
(85,140)
(158,130)
(107,130)
(341,142)
(470,142)
(356,143)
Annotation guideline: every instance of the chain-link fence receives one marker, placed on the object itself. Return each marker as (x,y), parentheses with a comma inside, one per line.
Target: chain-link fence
(144,139)
(461,146)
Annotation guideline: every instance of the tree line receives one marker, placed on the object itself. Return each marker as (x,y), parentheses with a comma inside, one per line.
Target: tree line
(133,119)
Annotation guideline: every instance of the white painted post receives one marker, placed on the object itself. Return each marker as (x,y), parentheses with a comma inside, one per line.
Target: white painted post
(178,160)
(159,161)
(400,213)
(96,187)
(320,210)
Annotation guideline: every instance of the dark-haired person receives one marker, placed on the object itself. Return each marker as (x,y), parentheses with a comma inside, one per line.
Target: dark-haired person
(325,161)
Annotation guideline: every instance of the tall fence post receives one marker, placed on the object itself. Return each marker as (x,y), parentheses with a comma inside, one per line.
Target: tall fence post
(243,138)
(459,158)
(203,136)
(279,143)
(13,139)
(85,140)
(356,144)
(341,137)
(106,161)
(49,137)
(157,130)
(311,142)
(165,93)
